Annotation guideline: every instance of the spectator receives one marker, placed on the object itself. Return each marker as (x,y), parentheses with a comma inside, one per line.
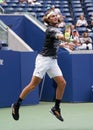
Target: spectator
(67,32)
(68,38)
(91,17)
(72,37)
(91,24)
(76,38)
(91,20)
(73,27)
(86,42)
(81,21)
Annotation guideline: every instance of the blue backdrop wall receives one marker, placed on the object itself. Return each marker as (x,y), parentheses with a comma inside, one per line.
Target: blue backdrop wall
(16,70)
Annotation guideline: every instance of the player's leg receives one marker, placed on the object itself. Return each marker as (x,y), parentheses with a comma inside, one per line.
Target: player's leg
(55,73)
(39,72)
(34,82)
(61,83)
(15,106)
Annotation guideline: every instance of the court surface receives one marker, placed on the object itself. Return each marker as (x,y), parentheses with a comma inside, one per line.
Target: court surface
(77,116)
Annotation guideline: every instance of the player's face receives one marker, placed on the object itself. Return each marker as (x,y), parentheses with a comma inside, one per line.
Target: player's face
(53,19)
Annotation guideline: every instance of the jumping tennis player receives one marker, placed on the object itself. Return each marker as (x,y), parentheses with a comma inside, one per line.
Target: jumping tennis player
(46,62)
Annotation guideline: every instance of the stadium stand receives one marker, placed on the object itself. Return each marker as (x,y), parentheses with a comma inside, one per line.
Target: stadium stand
(69,8)
(72,9)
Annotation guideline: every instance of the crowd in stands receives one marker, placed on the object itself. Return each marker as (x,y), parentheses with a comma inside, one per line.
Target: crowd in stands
(21,1)
(78,31)
(80,41)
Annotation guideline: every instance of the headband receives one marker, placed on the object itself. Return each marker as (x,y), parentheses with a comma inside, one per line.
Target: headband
(51,13)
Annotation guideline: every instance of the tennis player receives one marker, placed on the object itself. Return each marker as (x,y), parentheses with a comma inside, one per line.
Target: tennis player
(46,62)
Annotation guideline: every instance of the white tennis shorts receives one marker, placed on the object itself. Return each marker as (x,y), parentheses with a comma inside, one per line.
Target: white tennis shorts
(47,65)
